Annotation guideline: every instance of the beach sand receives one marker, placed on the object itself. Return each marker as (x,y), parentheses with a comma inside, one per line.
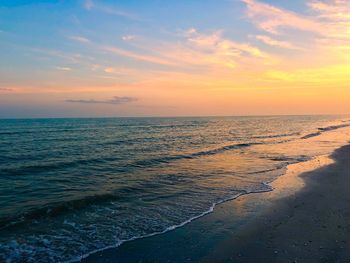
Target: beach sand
(305,219)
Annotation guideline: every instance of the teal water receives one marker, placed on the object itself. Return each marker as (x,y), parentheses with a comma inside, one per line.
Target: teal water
(69,187)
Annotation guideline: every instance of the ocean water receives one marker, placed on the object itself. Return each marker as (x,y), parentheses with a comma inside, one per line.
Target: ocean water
(69,187)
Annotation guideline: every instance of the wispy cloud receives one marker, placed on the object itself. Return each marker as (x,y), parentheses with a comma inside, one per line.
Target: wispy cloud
(214,49)
(5,89)
(128,37)
(334,9)
(111,70)
(275,43)
(92,5)
(273,19)
(195,49)
(119,70)
(114,101)
(64,68)
(327,18)
(137,56)
(123,52)
(70,57)
(80,39)
(333,16)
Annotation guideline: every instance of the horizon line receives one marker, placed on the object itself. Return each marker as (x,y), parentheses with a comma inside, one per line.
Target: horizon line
(172,116)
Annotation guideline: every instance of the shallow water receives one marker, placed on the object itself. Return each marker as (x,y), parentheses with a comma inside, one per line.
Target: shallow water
(69,187)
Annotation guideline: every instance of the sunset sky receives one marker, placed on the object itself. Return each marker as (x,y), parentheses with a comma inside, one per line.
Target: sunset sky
(174,58)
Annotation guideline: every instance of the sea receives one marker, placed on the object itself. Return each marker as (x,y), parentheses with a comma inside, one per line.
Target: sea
(72,187)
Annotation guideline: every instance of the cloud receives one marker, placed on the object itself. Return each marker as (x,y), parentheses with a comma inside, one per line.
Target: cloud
(91,5)
(335,9)
(128,37)
(194,50)
(215,43)
(203,40)
(273,19)
(5,89)
(80,39)
(114,101)
(69,57)
(64,68)
(111,70)
(326,18)
(118,70)
(334,17)
(137,56)
(216,49)
(276,43)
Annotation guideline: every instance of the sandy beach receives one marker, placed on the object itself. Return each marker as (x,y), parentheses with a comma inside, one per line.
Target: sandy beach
(305,219)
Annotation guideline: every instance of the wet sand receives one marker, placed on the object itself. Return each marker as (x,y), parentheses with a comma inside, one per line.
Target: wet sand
(305,219)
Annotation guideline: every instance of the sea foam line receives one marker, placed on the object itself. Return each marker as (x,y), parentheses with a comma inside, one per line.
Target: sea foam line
(173,227)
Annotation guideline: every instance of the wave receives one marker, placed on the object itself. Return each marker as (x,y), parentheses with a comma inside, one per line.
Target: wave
(310,135)
(155,161)
(55,210)
(325,129)
(50,129)
(266,186)
(138,163)
(48,166)
(290,160)
(334,127)
(45,131)
(276,136)
(194,155)
(44,213)
(268,170)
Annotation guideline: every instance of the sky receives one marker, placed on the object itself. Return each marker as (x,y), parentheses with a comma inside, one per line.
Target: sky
(104,58)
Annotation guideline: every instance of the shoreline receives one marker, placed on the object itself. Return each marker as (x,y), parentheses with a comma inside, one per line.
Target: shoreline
(253,206)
